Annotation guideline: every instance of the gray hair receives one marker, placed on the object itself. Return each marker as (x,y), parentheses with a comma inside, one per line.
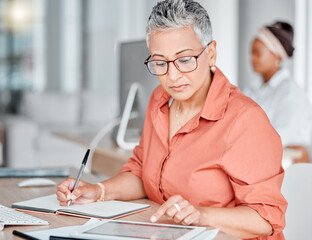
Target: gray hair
(174,14)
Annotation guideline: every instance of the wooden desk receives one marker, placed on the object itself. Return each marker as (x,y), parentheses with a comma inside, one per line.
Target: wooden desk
(10,192)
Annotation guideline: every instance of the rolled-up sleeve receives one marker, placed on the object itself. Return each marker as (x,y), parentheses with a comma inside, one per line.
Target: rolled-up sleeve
(252,160)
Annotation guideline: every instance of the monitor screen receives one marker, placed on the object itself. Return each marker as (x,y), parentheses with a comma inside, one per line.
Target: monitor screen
(132,73)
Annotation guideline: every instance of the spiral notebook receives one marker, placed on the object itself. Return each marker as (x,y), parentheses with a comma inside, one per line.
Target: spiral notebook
(102,210)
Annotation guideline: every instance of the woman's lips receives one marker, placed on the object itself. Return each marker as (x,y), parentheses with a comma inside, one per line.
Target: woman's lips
(179,88)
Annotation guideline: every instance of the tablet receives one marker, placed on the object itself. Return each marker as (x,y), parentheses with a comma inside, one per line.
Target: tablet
(117,229)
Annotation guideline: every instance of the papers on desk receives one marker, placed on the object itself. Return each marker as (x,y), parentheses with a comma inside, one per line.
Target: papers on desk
(60,232)
(69,232)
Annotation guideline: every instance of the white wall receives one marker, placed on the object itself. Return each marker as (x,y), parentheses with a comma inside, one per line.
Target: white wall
(102,34)
(303,39)
(70,47)
(309,49)
(224,20)
(39,79)
(112,22)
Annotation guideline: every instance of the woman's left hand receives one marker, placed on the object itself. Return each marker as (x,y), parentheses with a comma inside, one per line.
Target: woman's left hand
(179,210)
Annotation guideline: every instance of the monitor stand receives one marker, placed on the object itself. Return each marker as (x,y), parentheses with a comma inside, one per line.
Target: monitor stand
(126,116)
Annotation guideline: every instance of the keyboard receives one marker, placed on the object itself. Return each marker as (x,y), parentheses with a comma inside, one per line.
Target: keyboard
(34,172)
(10,216)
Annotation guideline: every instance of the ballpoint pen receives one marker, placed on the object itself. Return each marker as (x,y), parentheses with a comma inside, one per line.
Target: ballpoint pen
(83,164)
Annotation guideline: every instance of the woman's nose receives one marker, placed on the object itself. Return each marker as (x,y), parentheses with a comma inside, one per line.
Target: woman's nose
(173,73)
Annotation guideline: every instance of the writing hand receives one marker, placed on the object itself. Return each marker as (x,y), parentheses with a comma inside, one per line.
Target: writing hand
(84,193)
(179,210)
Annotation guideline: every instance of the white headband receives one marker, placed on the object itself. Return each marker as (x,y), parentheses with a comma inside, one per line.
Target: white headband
(272,43)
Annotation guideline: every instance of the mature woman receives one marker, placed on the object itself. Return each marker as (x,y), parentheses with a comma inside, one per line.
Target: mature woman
(285,103)
(208,154)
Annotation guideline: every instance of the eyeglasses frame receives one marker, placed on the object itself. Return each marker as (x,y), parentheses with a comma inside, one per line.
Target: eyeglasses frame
(173,61)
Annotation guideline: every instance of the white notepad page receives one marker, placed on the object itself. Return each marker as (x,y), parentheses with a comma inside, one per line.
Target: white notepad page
(105,209)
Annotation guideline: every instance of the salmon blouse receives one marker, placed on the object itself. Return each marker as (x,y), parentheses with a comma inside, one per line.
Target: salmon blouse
(227,155)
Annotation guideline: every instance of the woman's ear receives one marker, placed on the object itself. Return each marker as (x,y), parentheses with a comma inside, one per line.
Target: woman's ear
(212,53)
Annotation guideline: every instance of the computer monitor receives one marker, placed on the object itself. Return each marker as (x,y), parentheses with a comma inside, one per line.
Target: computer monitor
(136,87)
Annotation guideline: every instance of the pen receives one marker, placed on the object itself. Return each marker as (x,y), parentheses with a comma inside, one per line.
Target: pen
(23,235)
(64,238)
(83,164)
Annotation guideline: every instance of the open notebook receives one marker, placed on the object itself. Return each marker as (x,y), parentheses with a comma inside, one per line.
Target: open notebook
(102,210)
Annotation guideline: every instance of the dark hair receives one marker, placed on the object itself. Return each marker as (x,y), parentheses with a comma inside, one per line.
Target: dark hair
(284,32)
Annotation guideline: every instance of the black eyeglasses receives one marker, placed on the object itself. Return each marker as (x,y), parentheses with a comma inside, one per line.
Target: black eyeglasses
(183,64)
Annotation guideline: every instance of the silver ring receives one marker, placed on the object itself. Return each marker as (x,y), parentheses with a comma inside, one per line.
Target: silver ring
(177,207)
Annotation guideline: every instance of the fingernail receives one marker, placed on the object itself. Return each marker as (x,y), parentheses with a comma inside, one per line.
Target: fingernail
(68,196)
(153,219)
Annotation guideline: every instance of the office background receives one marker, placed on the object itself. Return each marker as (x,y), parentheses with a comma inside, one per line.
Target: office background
(59,63)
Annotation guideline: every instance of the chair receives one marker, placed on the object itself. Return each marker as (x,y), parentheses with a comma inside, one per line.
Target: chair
(297,189)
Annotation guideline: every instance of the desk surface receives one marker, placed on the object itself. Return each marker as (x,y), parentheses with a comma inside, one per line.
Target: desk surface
(10,192)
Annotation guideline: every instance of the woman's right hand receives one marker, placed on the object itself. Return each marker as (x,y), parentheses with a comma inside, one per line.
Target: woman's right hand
(84,193)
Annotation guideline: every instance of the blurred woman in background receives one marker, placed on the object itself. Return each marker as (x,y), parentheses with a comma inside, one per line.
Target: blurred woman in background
(285,103)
